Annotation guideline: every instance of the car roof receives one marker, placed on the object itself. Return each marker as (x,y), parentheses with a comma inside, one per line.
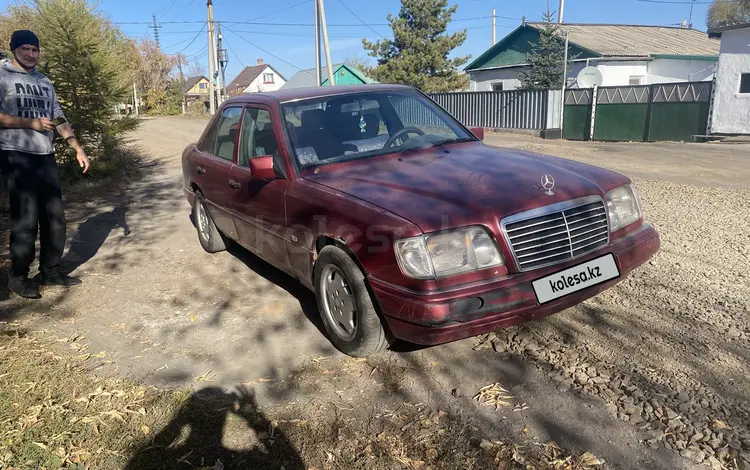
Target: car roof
(312,92)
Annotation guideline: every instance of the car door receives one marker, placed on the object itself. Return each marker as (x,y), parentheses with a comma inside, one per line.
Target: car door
(214,168)
(258,204)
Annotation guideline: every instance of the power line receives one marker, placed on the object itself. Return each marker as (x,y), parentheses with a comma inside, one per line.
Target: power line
(177,44)
(673,2)
(260,48)
(360,19)
(275,12)
(167,9)
(347,25)
(234,53)
(183,11)
(191,42)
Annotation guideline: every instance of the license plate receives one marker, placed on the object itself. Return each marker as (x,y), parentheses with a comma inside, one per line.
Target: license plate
(576,278)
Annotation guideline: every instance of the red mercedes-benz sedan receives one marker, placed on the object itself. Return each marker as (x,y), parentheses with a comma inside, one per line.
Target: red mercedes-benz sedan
(399,218)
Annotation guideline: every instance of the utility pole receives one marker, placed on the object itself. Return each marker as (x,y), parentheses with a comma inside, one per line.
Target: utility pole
(325,43)
(182,82)
(223,60)
(690,21)
(211,53)
(493,26)
(156,27)
(560,13)
(318,77)
(135,99)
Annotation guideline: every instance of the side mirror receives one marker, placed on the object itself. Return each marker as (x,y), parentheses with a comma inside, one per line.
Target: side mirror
(262,167)
(478,131)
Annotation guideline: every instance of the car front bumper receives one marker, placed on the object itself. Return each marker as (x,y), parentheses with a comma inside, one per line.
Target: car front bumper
(439,317)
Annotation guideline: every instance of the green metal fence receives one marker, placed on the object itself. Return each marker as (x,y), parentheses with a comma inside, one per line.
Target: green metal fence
(667,111)
(577,114)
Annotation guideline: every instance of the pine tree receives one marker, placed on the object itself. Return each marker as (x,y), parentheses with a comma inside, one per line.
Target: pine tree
(418,54)
(546,58)
(90,63)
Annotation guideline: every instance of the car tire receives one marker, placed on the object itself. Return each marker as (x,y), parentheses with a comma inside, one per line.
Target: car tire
(370,334)
(209,236)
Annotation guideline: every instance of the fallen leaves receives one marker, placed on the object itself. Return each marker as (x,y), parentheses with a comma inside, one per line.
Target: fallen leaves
(493,394)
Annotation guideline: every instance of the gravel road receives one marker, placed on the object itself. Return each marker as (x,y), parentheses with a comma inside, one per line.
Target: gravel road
(654,373)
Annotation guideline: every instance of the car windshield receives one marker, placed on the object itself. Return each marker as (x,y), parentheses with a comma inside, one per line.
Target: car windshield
(361,125)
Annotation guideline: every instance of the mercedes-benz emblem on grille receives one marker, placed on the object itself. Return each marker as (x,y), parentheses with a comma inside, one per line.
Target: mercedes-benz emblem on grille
(548,182)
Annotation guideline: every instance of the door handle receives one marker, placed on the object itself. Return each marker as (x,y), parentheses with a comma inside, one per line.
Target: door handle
(234,185)
(200,170)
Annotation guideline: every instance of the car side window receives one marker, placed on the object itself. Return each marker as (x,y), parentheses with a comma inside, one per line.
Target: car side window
(257,137)
(221,139)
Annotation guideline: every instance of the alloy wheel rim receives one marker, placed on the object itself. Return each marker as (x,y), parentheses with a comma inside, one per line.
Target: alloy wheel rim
(339,303)
(202,221)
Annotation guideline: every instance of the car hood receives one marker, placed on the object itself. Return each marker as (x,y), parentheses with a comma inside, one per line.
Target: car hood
(465,183)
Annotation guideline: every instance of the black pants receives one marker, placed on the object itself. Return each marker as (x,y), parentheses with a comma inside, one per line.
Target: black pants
(35,204)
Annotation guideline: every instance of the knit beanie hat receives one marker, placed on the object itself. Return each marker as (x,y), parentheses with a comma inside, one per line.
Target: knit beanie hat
(23,37)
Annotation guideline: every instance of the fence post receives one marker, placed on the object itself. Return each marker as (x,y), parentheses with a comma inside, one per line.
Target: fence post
(649,110)
(593,112)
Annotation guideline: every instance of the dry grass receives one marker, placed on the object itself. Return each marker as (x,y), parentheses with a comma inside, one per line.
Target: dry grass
(55,414)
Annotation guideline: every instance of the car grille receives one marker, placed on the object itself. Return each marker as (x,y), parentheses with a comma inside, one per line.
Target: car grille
(557,236)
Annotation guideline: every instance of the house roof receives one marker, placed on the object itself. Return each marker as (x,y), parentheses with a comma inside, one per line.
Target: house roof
(306,78)
(639,40)
(247,76)
(613,40)
(191,82)
(716,32)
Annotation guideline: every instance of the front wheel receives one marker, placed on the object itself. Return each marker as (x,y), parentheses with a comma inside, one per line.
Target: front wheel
(345,305)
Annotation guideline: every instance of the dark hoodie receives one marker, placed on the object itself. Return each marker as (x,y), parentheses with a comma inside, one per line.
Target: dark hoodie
(28,95)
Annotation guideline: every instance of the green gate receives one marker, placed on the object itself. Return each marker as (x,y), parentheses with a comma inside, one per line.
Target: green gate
(665,111)
(577,114)
(621,113)
(679,111)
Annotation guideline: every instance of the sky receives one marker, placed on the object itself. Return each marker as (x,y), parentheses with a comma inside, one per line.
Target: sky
(281,31)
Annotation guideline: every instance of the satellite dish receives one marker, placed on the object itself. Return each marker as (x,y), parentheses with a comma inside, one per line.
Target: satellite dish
(590,77)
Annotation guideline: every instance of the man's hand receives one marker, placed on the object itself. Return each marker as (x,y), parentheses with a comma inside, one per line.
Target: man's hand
(42,125)
(83,160)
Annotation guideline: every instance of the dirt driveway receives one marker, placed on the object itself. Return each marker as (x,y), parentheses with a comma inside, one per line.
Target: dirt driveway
(651,374)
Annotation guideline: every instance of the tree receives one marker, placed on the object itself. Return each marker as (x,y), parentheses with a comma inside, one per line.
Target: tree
(418,54)
(546,59)
(728,12)
(196,69)
(90,63)
(155,82)
(357,62)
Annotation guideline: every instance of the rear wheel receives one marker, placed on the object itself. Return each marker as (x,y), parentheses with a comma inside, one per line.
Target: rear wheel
(211,239)
(345,305)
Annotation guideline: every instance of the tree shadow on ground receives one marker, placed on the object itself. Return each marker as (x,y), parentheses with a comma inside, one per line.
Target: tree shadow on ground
(197,435)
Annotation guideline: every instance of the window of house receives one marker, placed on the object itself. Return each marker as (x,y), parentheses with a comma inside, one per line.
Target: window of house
(745,83)
(636,80)
(267,78)
(203,85)
(497,86)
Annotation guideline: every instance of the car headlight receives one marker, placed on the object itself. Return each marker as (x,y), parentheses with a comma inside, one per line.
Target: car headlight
(447,253)
(623,206)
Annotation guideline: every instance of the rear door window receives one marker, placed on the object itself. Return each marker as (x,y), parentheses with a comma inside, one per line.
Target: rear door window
(221,140)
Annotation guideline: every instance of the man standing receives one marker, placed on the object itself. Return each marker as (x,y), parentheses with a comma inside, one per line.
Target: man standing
(29,113)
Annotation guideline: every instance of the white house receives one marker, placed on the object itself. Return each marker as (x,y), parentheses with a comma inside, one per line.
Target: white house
(625,54)
(730,113)
(256,79)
